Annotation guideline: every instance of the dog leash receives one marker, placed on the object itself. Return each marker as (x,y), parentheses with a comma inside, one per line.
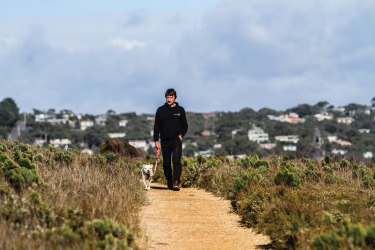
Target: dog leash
(157,159)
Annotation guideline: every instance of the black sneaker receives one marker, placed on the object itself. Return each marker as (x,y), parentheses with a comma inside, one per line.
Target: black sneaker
(170,185)
(176,186)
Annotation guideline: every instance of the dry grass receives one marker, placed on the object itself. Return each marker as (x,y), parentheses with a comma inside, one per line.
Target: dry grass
(80,201)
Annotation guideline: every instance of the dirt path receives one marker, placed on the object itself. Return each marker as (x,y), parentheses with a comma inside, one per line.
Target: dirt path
(194,219)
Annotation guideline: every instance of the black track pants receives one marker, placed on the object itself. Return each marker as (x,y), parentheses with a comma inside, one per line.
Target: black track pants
(172,148)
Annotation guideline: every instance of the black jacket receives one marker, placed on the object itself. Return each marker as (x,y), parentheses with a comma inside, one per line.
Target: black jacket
(170,122)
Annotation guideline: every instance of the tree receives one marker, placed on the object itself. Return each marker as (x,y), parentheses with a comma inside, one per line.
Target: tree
(9,112)
(373,101)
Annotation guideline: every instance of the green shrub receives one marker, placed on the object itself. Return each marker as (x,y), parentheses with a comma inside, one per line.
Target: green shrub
(327,159)
(15,179)
(330,179)
(201,159)
(328,241)
(110,157)
(368,181)
(39,158)
(345,164)
(284,177)
(3,157)
(370,236)
(261,163)
(251,209)
(68,157)
(313,175)
(26,163)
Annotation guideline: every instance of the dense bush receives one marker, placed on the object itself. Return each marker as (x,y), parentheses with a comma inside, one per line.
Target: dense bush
(53,199)
(298,203)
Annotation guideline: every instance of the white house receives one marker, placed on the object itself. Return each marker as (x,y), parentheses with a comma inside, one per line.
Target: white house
(39,142)
(290,118)
(345,120)
(339,151)
(142,144)
(206,153)
(287,138)
(86,124)
(60,143)
(258,135)
(332,138)
(290,147)
(276,118)
(87,151)
(367,112)
(364,130)
(123,123)
(218,145)
(116,135)
(267,145)
(55,121)
(323,116)
(293,118)
(368,155)
(343,143)
(101,120)
(42,117)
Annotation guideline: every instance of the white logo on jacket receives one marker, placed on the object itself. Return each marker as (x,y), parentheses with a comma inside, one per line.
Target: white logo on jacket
(178,114)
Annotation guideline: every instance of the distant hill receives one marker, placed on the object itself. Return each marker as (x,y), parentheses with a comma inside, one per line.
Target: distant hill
(309,130)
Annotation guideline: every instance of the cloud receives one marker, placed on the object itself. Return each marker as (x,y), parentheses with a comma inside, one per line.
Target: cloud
(239,54)
(126,44)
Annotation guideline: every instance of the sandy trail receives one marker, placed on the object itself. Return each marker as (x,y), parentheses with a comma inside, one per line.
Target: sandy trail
(194,219)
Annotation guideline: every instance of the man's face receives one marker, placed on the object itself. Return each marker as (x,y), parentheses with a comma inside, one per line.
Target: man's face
(170,99)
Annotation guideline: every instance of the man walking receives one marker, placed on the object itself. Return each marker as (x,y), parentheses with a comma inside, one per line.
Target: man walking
(171,126)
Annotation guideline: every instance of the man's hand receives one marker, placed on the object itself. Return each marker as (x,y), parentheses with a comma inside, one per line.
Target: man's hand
(180,136)
(157,145)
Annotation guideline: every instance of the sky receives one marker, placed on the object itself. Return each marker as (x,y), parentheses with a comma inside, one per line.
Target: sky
(219,55)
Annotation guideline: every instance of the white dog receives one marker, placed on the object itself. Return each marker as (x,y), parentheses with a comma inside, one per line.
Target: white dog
(147,174)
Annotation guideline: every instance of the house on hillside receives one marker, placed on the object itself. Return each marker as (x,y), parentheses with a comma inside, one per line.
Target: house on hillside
(323,116)
(368,155)
(257,135)
(101,120)
(332,138)
(268,146)
(290,118)
(141,144)
(86,124)
(206,133)
(364,131)
(60,143)
(343,143)
(42,117)
(287,138)
(40,142)
(116,135)
(122,123)
(345,120)
(209,115)
(339,151)
(55,121)
(293,118)
(290,147)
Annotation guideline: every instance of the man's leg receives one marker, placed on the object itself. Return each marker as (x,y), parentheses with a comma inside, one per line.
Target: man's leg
(167,153)
(177,169)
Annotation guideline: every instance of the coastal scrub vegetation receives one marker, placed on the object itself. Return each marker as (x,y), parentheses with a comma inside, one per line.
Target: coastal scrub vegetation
(52,199)
(298,203)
